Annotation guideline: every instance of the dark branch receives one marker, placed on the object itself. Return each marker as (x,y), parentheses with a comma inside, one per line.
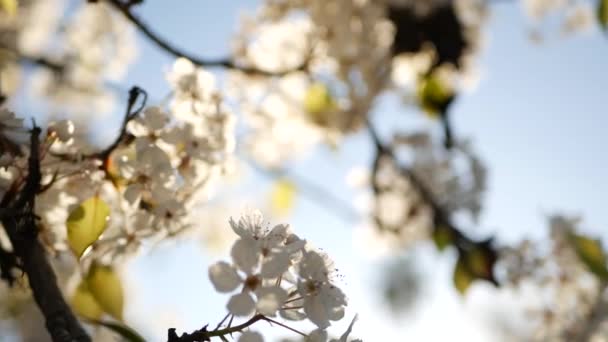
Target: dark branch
(448,140)
(22,231)
(130,114)
(165,45)
(203,334)
(34,60)
(441,218)
(8,263)
(43,62)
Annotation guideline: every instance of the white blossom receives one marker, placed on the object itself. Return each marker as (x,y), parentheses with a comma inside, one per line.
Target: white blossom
(265,262)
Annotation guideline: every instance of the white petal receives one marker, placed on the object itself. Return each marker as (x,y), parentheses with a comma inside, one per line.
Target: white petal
(275,265)
(316,311)
(183,66)
(153,158)
(293,314)
(154,118)
(133,192)
(224,277)
(251,336)
(241,304)
(313,266)
(245,256)
(276,236)
(252,221)
(270,299)
(317,335)
(332,295)
(239,230)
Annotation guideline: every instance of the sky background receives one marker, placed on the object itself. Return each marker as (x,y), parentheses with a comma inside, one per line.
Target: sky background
(538,120)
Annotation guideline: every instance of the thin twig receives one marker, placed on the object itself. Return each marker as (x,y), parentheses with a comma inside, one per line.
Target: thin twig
(205,335)
(440,216)
(175,51)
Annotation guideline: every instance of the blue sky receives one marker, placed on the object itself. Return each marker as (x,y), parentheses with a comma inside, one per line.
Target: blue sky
(538,120)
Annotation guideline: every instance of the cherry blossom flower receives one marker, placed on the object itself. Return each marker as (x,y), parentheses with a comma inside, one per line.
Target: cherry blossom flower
(264,261)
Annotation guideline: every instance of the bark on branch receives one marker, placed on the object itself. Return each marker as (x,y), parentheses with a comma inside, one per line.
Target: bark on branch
(22,230)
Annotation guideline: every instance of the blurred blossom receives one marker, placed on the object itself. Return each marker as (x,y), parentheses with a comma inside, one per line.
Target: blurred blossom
(570,297)
(39,20)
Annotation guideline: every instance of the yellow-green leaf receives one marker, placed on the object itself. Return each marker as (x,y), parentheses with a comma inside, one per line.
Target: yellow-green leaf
(443,237)
(86,223)
(591,253)
(479,263)
(9,6)
(318,103)
(602,13)
(84,304)
(433,94)
(106,287)
(282,196)
(462,276)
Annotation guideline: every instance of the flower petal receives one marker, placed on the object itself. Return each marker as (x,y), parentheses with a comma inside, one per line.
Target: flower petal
(270,299)
(275,265)
(241,304)
(224,277)
(293,314)
(245,256)
(316,311)
(317,335)
(133,193)
(251,336)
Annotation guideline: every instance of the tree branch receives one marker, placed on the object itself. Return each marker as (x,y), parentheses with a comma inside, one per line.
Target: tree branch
(168,47)
(22,231)
(8,262)
(203,334)
(34,60)
(130,114)
(441,218)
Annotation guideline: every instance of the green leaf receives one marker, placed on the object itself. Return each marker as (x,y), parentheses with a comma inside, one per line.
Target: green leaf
(479,263)
(434,95)
(124,331)
(318,103)
(9,6)
(462,276)
(84,304)
(86,223)
(475,263)
(591,253)
(602,13)
(443,237)
(106,287)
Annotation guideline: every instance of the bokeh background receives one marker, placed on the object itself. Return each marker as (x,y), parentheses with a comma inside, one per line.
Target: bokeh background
(537,117)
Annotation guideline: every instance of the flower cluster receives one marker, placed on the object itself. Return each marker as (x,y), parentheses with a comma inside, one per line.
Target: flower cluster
(162,165)
(334,58)
(100,45)
(569,298)
(343,46)
(276,272)
(574,16)
(26,31)
(454,180)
